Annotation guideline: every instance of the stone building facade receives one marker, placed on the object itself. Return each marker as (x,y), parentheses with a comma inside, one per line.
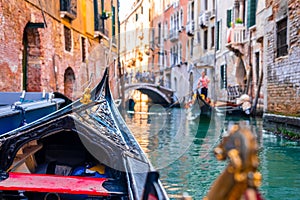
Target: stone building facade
(50,45)
(282,48)
(134,34)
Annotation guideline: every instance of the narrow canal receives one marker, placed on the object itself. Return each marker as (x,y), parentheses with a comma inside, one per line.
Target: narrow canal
(182,151)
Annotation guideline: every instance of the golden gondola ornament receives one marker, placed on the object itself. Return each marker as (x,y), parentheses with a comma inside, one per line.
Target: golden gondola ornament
(86,97)
(240,179)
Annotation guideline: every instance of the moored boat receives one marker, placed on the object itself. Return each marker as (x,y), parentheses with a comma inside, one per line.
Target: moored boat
(17,109)
(240,108)
(82,151)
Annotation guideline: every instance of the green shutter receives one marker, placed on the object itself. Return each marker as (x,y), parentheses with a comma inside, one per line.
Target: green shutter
(229,18)
(113,21)
(251,15)
(218,36)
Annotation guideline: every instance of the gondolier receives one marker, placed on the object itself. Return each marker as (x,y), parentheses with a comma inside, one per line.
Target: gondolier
(203,84)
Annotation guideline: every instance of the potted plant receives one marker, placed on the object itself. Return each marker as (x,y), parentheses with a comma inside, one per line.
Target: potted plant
(106,14)
(238,21)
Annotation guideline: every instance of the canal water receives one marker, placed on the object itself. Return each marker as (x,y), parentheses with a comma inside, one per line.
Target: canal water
(182,151)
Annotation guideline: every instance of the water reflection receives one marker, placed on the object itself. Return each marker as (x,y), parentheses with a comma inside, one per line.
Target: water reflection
(182,150)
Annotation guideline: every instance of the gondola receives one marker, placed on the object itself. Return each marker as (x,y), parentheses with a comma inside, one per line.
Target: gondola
(198,107)
(232,110)
(240,108)
(82,151)
(19,108)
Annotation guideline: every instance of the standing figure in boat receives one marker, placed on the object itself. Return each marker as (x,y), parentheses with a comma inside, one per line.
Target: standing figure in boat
(240,179)
(203,84)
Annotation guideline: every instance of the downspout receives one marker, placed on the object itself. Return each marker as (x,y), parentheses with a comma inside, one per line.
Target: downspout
(249,74)
(215,52)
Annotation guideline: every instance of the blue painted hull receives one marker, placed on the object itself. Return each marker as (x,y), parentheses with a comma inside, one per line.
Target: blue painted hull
(14,116)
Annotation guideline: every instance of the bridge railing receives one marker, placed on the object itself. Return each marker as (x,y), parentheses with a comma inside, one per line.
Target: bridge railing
(144,77)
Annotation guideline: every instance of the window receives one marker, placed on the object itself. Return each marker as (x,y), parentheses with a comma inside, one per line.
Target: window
(181,19)
(218,35)
(68,8)
(198,37)
(187,48)
(159,33)
(205,40)
(180,53)
(223,74)
(282,37)
(192,14)
(205,5)
(166,30)
(83,49)
(212,37)
(68,39)
(192,46)
(257,66)
(229,18)
(251,17)
(152,62)
(113,21)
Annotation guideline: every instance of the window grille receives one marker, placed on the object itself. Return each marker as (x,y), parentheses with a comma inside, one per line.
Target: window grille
(68,39)
(282,38)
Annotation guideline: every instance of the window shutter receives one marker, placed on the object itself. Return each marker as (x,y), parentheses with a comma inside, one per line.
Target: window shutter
(218,36)
(229,18)
(251,15)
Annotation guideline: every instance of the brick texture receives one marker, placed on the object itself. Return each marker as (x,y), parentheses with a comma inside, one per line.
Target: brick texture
(47,59)
(283,73)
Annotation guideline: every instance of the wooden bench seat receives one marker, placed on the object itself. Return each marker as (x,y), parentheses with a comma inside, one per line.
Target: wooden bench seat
(56,184)
(24,154)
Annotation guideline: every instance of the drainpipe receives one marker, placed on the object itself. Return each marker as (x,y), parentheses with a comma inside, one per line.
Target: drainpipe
(249,75)
(215,52)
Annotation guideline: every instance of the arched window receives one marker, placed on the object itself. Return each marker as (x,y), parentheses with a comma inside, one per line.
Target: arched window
(31,59)
(69,81)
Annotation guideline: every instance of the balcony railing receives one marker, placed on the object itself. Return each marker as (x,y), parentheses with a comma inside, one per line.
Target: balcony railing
(236,35)
(204,19)
(99,26)
(190,28)
(173,35)
(68,9)
(236,39)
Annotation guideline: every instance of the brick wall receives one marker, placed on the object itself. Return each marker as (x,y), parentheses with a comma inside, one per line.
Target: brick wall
(47,56)
(283,73)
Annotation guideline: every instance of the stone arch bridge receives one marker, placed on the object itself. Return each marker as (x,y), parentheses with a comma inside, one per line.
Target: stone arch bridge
(158,94)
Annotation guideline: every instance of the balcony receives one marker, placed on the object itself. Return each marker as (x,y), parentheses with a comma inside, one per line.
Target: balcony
(190,28)
(236,38)
(204,19)
(68,9)
(152,45)
(100,28)
(173,35)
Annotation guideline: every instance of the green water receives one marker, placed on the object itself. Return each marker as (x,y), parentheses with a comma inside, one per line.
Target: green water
(182,151)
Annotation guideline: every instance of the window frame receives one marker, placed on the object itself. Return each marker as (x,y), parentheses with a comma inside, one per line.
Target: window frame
(68,39)
(223,76)
(282,43)
(83,41)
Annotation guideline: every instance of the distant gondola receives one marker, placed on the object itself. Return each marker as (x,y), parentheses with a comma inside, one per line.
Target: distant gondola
(83,151)
(198,107)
